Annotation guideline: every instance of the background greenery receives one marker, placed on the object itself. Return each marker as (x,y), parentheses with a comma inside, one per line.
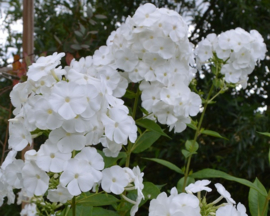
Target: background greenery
(80,27)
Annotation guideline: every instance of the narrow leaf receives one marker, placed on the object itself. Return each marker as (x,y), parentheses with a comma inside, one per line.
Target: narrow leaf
(212,173)
(256,200)
(145,141)
(100,16)
(167,164)
(213,133)
(151,125)
(264,133)
(110,161)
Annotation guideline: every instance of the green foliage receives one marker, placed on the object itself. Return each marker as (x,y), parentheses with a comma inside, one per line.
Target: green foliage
(92,199)
(257,202)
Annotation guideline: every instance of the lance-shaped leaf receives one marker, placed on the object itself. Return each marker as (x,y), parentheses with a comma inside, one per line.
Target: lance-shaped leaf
(151,125)
(147,139)
(167,164)
(212,173)
(93,199)
(257,202)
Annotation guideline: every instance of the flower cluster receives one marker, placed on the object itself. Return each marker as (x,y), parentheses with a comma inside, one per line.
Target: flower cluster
(77,107)
(152,48)
(239,50)
(189,204)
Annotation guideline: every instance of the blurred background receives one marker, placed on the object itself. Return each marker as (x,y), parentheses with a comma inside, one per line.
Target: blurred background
(79,27)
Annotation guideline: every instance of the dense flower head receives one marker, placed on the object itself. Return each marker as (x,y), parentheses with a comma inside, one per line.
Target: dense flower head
(239,50)
(152,47)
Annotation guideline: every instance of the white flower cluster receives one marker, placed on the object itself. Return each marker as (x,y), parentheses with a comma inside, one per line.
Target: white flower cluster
(239,50)
(77,107)
(188,204)
(152,48)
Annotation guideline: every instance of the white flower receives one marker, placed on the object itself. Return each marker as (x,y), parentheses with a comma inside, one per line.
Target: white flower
(29,210)
(67,142)
(50,159)
(114,180)
(13,173)
(44,66)
(60,194)
(199,185)
(77,176)
(35,181)
(9,159)
(224,193)
(68,99)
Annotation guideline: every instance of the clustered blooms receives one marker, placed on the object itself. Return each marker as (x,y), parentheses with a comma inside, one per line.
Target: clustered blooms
(152,48)
(77,107)
(189,204)
(80,106)
(239,50)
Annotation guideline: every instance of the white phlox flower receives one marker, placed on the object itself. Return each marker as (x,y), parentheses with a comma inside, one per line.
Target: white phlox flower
(44,66)
(13,173)
(224,193)
(50,159)
(35,180)
(198,186)
(29,210)
(68,99)
(114,180)
(60,194)
(67,142)
(77,176)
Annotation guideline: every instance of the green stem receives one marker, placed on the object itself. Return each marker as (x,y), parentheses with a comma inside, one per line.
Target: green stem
(196,136)
(135,105)
(266,203)
(74,206)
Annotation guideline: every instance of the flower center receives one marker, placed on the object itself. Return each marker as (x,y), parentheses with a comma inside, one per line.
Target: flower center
(38,177)
(76,176)
(52,155)
(67,99)
(113,180)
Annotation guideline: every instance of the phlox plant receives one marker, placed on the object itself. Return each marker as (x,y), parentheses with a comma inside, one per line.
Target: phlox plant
(88,127)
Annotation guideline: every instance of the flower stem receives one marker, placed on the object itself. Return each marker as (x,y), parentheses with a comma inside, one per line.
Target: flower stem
(73,206)
(135,105)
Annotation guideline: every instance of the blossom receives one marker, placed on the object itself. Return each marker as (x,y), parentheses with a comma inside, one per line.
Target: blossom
(49,158)
(35,181)
(68,99)
(61,194)
(29,210)
(77,176)
(198,186)
(114,180)
(224,193)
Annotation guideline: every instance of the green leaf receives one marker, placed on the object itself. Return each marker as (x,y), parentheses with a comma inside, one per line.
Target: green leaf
(110,161)
(78,33)
(145,141)
(151,125)
(212,173)
(186,153)
(213,133)
(256,200)
(192,125)
(264,133)
(93,199)
(167,164)
(180,183)
(76,46)
(100,16)
(150,191)
(81,211)
(97,211)
(192,146)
